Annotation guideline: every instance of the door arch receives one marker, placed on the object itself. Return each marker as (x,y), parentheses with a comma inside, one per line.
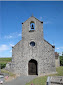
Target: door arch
(32,67)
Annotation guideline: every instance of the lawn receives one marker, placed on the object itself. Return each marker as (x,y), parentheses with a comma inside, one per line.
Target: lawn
(4,61)
(5,71)
(42,80)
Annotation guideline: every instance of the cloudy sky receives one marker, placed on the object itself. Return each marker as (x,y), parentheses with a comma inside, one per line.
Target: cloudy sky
(13,13)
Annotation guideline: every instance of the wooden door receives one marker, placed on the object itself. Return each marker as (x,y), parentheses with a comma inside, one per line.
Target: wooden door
(32,68)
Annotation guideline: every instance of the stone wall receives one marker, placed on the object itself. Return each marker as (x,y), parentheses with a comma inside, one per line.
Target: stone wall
(42,52)
(57,62)
(8,66)
(55,80)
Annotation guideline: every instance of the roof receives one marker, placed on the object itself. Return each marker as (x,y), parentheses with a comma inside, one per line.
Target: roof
(49,43)
(56,54)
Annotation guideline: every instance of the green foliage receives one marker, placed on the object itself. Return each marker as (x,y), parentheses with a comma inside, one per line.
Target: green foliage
(5,71)
(4,61)
(42,80)
(59,71)
(38,81)
(3,65)
(62,53)
(61,60)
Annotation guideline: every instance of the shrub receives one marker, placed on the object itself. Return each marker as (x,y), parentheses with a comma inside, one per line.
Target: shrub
(61,60)
(2,65)
(4,61)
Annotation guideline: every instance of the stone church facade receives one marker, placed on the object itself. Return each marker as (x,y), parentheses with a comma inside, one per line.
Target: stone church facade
(33,55)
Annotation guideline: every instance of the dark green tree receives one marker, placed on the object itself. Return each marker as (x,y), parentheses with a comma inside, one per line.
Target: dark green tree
(61,60)
(62,53)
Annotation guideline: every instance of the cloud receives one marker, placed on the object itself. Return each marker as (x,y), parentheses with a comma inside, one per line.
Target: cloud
(47,22)
(40,18)
(57,48)
(60,53)
(13,35)
(11,45)
(19,34)
(3,47)
(8,37)
(45,19)
(10,51)
(61,47)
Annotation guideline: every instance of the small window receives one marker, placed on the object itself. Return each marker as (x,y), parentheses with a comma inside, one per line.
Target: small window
(32,43)
(32,25)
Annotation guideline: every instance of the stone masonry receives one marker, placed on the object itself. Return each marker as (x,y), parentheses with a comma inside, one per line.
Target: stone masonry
(57,60)
(55,80)
(43,52)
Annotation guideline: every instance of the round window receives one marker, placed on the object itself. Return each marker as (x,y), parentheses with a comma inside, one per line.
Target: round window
(32,43)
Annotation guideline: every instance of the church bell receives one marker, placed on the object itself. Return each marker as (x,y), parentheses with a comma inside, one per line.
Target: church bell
(32,27)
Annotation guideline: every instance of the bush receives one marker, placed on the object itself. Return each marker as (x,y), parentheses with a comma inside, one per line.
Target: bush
(61,60)
(2,65)
(4,61)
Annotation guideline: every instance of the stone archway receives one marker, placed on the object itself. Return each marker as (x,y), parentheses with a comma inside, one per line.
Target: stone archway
(32,67)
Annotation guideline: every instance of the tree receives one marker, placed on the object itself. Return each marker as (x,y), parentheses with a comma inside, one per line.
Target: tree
(62,53)
(61,60)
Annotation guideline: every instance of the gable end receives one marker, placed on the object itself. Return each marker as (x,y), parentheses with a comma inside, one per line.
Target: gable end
(49,44)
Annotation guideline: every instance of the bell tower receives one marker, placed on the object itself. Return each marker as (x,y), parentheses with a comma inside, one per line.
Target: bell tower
(32,29)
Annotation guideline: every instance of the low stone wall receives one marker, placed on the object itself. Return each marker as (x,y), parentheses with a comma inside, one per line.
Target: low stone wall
(55,80)
(57,62)
(8,66)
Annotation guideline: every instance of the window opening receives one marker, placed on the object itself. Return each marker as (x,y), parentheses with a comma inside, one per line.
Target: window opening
(32,43)
(32,26)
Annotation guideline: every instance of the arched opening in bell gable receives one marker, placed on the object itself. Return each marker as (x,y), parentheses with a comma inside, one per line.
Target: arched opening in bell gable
(32,25)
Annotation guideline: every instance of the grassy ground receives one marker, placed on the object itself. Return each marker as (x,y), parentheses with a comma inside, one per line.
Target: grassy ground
(10,75)
(42,80)
(5,60)
(5,71)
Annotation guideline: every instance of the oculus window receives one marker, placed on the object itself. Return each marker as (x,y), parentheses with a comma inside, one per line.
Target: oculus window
(32,44)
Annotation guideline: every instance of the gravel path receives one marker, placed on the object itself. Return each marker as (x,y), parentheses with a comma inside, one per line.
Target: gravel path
(22,80)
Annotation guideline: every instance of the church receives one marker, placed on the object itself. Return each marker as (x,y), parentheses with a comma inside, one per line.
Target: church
(33,55)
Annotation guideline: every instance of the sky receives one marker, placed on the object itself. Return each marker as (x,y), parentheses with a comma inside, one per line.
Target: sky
(13,13)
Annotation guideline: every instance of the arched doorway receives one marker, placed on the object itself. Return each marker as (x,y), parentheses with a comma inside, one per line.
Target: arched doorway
(32,67)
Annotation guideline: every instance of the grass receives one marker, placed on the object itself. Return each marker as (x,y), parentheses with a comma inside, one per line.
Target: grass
(10,75)
(42,80)
(60,71)
(5,60)
(5,71)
